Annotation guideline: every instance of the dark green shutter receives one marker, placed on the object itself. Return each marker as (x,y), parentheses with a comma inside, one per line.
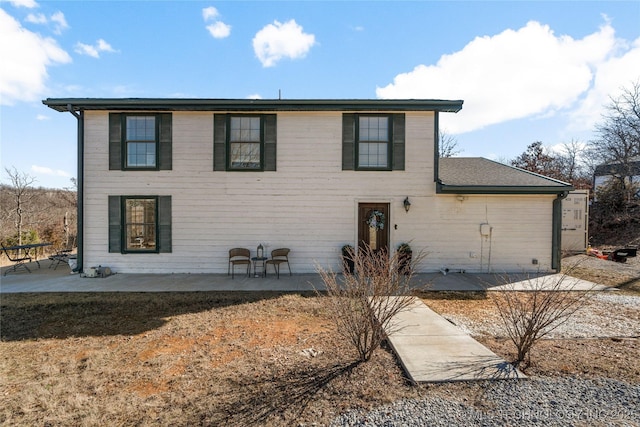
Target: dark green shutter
(398,141)
(115,141)
(219,142)
(164,141)
(115,225)
(270,138)
(348,141)
(164,224)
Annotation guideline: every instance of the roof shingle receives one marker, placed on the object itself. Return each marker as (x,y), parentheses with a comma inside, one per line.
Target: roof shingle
(484,175)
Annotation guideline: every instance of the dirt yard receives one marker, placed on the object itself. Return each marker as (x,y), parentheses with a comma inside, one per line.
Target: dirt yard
(251,358)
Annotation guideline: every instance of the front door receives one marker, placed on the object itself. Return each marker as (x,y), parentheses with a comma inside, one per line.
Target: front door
(373,225)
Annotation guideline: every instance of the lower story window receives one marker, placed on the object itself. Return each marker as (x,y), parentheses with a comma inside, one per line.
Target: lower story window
(140,224)
(140,217)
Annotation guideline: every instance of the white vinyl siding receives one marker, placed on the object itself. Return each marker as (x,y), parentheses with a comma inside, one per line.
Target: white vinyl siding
(308,205)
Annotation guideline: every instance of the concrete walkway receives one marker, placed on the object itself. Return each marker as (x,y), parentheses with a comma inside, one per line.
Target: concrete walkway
(550,282)
(431,349)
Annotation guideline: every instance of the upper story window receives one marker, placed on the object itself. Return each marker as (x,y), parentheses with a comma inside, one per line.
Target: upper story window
(140,141)
(244,142)
(373,142)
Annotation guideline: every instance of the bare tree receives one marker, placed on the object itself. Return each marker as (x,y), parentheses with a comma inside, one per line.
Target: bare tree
(538,159)
(528,315)
(448,145)
(567,164)
(572,162)
(618,137)
(363,303)
(21,183)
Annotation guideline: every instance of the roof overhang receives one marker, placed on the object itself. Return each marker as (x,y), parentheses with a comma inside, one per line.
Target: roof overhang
(183,104)
(488,189)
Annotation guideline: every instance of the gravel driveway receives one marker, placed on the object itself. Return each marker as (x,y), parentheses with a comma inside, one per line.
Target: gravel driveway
(542,400)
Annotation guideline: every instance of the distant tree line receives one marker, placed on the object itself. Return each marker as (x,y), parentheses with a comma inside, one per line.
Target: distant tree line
(617,143)
(31,214)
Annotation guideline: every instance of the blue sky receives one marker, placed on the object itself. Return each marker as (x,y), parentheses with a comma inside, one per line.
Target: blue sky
(527,71)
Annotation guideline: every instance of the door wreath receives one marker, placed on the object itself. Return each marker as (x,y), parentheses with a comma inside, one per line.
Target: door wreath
(376,220)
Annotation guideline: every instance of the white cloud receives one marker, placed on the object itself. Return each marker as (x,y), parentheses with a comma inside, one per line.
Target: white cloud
(43,170)
(276,41)
(254,96)
(210,13)
(95,49)
(58,19)
(26,56)
(611,76)
(29,4)
(219,30)
(36,18)
(514,74)
(103,46)
(42,117)
(87,49)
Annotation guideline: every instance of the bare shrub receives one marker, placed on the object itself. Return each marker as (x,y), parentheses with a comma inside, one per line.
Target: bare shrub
(364,302)
(531,313)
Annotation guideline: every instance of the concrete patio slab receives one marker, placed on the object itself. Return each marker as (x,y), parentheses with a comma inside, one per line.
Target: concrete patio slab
(431,349)
(60,280)
(557,282)
(45,279)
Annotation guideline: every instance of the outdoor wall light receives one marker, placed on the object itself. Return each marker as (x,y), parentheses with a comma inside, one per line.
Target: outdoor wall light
(407,204)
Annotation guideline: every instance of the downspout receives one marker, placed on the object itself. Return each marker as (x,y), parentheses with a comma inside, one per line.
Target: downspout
(556,238)
(436,147)
(79,115)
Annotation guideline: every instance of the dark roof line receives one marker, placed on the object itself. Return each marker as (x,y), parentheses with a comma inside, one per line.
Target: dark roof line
(477,175)
(618,167)
(200,104)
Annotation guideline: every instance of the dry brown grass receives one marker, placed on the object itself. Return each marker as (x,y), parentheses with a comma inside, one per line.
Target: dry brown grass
(216,358)
(181,359)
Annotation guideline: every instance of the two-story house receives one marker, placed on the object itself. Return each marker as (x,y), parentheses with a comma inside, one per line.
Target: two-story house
(170,185)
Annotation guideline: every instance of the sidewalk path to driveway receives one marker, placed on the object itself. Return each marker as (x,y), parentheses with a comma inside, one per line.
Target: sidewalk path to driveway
(431,349)
(551,282)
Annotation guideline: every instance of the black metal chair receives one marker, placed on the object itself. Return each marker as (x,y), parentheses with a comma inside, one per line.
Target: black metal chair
(17,259)
(60,257)
(239,256)
(279,256)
